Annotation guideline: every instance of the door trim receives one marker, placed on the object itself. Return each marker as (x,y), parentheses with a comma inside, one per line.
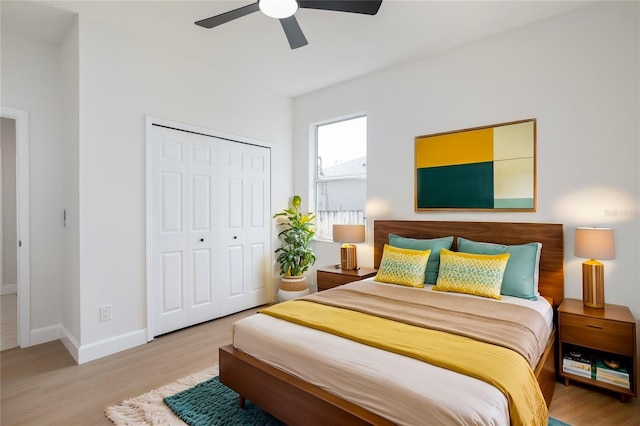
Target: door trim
(22,218)
(2,286)
(150,121)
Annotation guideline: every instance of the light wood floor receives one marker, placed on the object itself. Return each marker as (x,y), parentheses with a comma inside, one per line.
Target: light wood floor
(42,385)
(8,321)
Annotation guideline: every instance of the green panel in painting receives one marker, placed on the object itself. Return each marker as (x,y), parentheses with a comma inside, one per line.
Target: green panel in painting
(460,186)
(513,203)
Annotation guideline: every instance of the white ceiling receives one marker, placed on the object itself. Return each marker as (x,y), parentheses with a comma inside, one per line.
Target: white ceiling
(341,46)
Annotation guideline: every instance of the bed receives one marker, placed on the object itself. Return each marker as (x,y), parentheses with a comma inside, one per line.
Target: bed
(300,390)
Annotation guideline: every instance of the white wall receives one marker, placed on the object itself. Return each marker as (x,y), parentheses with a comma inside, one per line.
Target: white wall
(577,73)
(123,79)
(70,283)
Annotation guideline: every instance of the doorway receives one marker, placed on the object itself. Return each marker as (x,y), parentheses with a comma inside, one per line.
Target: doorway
(8,236)
(15,278)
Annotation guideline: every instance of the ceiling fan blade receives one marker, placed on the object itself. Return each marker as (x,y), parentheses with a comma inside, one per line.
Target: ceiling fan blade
(214,21)
(367,7)
(293,32)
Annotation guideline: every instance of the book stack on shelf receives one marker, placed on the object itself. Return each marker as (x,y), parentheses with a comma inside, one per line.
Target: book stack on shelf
(577,364)
(595,368)
(613,373)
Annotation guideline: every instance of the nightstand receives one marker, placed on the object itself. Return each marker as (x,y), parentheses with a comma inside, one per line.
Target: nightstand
(330,276)
(608,333)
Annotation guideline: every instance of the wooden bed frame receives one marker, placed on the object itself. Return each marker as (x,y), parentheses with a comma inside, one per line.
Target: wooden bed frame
(295,401)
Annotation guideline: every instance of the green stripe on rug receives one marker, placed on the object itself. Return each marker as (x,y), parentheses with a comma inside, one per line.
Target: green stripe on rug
(211,403)
(554,422)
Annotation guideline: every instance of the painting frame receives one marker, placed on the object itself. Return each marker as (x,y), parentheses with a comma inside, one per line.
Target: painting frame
(486,168)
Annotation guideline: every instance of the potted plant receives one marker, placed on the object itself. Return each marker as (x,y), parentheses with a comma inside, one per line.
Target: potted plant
(294,255)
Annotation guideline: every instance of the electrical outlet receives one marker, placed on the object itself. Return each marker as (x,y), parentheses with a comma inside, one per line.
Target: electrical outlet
(105,313)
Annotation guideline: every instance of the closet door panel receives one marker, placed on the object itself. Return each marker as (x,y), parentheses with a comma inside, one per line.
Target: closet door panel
(235,272)
(201,277)
(231,286)
(172,285)
(258,267)
(257,181)
(168,232)
(248,225)
(202,235)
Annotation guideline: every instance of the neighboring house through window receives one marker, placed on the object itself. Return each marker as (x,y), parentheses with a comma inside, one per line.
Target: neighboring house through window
(341,174)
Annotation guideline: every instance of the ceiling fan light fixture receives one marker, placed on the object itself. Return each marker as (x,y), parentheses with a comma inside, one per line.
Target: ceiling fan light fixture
(278,9)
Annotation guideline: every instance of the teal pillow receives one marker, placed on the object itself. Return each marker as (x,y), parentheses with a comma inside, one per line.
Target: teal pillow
(435,245)
(521,276)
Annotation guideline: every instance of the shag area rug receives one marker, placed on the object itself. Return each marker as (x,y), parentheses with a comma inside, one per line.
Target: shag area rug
(197,400)
(150,409)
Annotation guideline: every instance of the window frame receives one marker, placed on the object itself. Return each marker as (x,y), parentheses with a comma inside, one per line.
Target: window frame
(317,180)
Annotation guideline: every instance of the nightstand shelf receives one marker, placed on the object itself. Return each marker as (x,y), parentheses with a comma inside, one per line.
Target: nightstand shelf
(608,333)
(330,276)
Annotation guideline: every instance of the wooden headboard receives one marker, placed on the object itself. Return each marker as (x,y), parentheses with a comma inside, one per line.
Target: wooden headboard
(551,235)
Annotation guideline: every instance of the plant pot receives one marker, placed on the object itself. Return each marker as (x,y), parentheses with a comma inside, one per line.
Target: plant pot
(292,288)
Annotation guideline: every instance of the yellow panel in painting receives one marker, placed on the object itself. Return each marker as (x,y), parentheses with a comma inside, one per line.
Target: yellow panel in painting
(513,141)
(473,146)
(513,178)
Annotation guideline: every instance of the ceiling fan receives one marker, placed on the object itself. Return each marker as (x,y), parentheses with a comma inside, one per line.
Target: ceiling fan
(284,10)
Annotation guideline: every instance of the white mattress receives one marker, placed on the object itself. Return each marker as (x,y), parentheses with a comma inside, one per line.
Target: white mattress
(401,389)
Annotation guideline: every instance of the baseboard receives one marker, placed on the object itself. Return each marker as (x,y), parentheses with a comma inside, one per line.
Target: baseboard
(45,334)
(8,289)
(56,332)
(92,351)
(70,343)
(111,345)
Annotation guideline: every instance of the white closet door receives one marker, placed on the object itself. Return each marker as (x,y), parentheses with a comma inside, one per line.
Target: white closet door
(182,231)
(210,228)
(243,261)
(201,237)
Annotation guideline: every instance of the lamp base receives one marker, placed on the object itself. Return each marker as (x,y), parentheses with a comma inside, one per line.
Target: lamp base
(593,284)
(348,258)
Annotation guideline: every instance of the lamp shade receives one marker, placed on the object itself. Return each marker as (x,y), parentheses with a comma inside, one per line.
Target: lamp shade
(595,243)
(348,233)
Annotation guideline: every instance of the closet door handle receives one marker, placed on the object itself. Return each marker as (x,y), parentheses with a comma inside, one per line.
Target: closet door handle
(202,240)
(235,237)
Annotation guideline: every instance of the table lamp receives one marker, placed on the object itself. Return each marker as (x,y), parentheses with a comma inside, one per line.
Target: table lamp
(348,234)
(592,243)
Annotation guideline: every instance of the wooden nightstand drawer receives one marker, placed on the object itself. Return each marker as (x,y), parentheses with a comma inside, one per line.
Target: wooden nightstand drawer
(595,333)
(329,277)
(335,278)
(327,280)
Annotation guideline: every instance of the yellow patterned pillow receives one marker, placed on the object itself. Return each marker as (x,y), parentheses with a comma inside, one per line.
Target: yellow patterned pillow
(403,266)
(477,274)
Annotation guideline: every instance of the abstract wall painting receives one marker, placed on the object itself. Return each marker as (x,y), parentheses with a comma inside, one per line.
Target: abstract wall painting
(483,168)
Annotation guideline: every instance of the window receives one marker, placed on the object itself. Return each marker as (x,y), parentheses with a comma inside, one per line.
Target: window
(341,174)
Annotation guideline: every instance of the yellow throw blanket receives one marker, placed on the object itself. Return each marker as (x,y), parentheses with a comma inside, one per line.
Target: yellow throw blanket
(512,326)
(498,366)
